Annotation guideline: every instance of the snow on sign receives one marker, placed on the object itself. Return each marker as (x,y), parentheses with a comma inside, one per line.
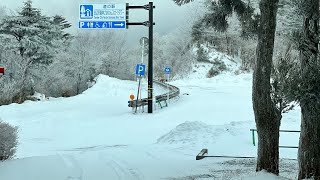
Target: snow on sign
(102,16)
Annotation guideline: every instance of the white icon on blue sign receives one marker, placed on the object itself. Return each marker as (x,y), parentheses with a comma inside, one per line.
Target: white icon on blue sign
(86,11)
(105,25)
(167,70)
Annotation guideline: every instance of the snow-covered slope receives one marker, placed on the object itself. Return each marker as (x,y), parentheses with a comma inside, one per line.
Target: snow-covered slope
(95,135)
(200,69)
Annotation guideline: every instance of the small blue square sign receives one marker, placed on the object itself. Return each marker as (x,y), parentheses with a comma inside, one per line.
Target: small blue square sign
(167,70)
(140,69)
(86,11)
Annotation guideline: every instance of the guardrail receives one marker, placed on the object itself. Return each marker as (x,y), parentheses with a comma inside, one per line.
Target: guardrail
(173,92)
(288,131)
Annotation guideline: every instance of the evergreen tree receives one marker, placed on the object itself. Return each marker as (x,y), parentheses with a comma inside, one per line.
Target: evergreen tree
(231,26)
(35,38)
(197,32)
(304,86)
(267,116)
(60,23)
(219,12)
(309,145)
(283,82)
(289,18)
(181,2)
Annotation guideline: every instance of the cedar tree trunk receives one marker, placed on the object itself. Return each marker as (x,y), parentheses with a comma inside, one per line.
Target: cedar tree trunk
(309,145)
(267,116)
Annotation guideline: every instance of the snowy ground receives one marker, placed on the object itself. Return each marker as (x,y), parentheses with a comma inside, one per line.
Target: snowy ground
(96,136)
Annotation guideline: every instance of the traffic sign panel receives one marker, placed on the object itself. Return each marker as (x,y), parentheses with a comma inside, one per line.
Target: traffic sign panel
(102,16)
(2,70)
(102,24)
(140,69)
(167,70)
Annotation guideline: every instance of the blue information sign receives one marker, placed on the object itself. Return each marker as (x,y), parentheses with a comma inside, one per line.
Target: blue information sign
(102,16)
(140,69)
(102,24)
(167,70)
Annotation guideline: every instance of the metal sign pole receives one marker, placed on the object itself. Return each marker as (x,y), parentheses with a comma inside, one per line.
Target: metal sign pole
(149,24)
(150,63)
(168,89)
(138,94)
(142,51)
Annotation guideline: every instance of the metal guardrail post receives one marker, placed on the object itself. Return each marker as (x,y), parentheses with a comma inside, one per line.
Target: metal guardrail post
(253,139)
(288,131)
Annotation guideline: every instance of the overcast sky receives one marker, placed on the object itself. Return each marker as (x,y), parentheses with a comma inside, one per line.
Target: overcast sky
(168,16)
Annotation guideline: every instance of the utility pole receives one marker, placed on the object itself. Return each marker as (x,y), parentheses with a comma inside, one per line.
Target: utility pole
(149,24)
(150,63)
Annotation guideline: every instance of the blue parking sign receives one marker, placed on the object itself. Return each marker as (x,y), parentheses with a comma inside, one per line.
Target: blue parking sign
(140,69)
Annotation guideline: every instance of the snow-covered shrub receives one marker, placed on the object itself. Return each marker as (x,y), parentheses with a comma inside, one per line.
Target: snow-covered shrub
(202,55)
(213,72)
(8,140)
(217,68)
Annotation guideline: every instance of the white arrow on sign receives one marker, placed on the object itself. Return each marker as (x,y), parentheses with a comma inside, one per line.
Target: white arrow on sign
(119,24)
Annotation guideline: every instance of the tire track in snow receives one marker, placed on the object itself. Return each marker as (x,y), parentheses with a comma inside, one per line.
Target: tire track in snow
(122,169)
(71,163)
(94,148)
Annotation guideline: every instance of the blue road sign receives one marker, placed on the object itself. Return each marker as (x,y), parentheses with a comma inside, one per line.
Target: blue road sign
(102,24)
(102,16)
(86,11)
(140,69)
(167,70)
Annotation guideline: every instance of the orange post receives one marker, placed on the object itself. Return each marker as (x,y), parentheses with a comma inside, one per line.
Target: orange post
(132,97)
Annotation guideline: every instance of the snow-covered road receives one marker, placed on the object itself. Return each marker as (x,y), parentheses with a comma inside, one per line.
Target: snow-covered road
(95,135)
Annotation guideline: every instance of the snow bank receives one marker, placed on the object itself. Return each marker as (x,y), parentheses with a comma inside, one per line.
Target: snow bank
(191,133)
